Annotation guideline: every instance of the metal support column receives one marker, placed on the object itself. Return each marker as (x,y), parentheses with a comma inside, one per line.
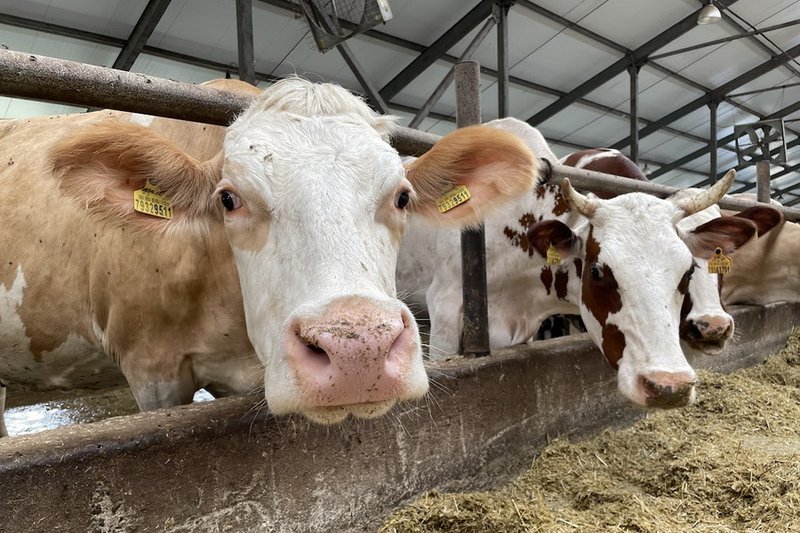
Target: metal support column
(475,335)
(244,36)
(762,176)
(712,140)
(501,15)
(633,72)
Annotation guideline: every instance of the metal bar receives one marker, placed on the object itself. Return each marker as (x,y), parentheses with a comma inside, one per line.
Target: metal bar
(764,90)
(762,178)
(726,39)
(475,334)
(57,80)
(501,13)
(600,182)
(444,43)
(147,22)
(793,202)
(244,39)
(712,139)
(425,110)
(633,73)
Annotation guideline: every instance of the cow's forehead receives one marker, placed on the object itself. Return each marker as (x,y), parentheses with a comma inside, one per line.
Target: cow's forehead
(639,230)
(284,153)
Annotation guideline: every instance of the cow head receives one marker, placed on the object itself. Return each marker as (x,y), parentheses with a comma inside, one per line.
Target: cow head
(635,272)
(705,325)
(313,201)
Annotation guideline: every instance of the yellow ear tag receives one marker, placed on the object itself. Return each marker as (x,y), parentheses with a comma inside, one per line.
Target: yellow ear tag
(148,200)
(448,201)
(720,263)
(553,257)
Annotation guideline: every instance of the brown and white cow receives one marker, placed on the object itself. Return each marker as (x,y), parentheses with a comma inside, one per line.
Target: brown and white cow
(705,324)
(285,244)
(622,264)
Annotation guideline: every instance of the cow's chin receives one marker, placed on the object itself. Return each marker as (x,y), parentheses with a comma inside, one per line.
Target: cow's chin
(336,413)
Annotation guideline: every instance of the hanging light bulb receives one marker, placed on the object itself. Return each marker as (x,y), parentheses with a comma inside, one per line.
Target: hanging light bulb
(709,14)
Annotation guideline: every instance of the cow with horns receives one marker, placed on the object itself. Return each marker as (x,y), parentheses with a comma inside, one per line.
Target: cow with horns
(283,244)
(622,263)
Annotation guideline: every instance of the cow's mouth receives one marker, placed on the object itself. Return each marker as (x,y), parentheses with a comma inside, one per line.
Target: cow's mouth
(334,414)
(708,347)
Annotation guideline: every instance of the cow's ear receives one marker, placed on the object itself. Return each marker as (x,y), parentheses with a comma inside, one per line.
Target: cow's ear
(727,233)
(764,217)
(488,165)
(553,232)
(103,166)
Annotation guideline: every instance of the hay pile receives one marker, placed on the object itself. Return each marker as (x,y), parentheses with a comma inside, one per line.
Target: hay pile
(729,463)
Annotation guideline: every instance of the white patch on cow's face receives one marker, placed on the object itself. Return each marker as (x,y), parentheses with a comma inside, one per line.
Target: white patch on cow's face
(318,222)
(640,249)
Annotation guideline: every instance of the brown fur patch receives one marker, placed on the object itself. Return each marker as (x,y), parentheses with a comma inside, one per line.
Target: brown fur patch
(561,206)
(562,279)
(613,344)
(547,278)
(578,267)
(618,165)
(602,298)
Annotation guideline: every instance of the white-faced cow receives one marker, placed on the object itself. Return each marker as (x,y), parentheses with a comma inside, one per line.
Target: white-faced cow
(620,262)
(705,324)
(287,239)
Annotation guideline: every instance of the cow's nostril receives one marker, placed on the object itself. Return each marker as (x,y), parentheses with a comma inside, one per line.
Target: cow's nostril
(315,351)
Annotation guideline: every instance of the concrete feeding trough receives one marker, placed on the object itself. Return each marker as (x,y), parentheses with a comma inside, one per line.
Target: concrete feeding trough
(228,465)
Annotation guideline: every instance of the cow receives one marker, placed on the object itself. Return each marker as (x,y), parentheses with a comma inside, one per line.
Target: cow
(283,244)
(620,262)
(760,272)
(705,324)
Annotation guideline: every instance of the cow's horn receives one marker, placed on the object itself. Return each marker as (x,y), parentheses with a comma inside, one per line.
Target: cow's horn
(708,197)
(577,201)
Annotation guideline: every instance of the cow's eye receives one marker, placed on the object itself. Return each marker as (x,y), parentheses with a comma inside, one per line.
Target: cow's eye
(229,200)
(596,272)
(402,199)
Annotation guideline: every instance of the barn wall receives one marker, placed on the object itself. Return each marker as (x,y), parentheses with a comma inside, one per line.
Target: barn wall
(228,466)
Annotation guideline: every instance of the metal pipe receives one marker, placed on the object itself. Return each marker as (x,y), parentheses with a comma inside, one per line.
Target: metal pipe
(425,110)
(68,82)
(601,182)
(501,14)
(475,334)
(633,72)
(712,140)
(763,179)
(244,38)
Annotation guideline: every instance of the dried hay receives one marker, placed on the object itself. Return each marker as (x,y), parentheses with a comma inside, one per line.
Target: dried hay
(731,462)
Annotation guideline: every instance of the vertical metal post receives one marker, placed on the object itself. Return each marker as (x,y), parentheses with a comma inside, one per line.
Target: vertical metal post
(762,175)
(244,36)
(501,15)
(475,335)
(712,140)
(633,72)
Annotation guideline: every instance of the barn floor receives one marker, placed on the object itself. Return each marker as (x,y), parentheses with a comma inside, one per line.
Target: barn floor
(728,463)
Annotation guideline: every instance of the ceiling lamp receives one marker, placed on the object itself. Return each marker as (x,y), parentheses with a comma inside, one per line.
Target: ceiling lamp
(709,14)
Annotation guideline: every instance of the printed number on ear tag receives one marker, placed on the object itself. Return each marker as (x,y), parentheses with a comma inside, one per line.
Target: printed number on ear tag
(148,200)
(553,257)
(449,200)
(720,263)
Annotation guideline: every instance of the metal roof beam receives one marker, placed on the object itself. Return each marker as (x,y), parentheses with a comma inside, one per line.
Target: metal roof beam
(147,22)
(620,66)
(771,64)
(445,42)
(728,138)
